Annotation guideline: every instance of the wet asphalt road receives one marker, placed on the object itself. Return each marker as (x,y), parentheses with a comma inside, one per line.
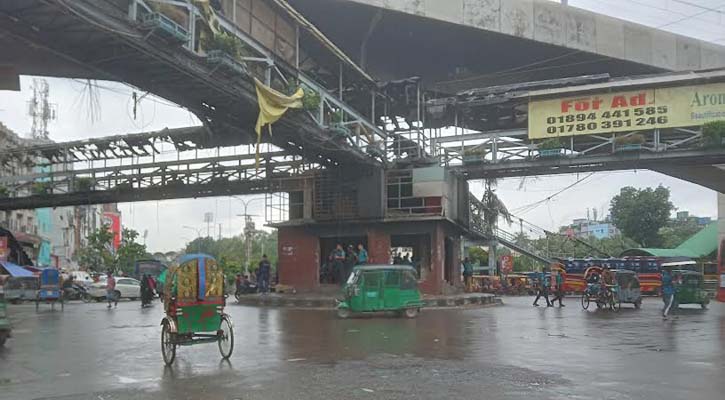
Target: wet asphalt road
(510,352)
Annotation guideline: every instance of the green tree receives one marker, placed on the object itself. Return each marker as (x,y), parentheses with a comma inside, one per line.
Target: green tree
(129,251)
(493,207)
(231,252)
(477,255)
(96,255)
(677,232)
(640,214)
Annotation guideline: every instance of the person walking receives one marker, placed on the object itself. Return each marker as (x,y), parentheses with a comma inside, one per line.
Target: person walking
(265,269)
(558,288)
(668,291)
(238,285)
(543,289)
(467,273)
(362,255)
(111,289)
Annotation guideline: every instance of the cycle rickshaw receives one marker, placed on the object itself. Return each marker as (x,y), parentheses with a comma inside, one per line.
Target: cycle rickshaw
(194,303)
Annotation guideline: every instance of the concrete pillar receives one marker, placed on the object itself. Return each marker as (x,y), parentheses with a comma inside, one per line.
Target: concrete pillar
(433,282)
(299,258)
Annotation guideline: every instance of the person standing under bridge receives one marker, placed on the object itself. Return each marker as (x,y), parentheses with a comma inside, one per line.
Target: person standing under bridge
(338,264)
(362,255)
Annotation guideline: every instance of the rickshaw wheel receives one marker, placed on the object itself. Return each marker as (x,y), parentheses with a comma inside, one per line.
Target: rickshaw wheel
(343,313)
(62,305)
(168,349)
(37,305)
(226,338)
(585,301)
(411,312)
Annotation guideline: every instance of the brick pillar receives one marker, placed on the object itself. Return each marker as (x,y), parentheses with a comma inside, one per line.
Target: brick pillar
(433,283)
(378,247)
(299,258)
(457,259)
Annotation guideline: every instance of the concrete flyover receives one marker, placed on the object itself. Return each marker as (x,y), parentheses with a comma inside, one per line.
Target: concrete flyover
(477,43)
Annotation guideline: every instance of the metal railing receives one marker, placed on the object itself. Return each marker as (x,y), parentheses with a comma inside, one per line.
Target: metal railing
(358,131)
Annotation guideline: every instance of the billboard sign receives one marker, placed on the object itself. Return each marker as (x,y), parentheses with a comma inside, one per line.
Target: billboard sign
(113,220)
(599,113)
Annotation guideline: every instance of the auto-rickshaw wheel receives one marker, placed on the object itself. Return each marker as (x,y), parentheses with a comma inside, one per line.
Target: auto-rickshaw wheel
(168,348)
(615,305)
(411,312)
(703,306)
(343,313)
(226,338)
(62,305)
(638,304)
(3,338)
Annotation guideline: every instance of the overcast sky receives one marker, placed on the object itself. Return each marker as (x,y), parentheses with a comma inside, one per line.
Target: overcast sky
(164,220)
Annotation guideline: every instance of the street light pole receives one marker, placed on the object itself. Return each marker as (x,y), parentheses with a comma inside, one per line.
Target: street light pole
(248,230)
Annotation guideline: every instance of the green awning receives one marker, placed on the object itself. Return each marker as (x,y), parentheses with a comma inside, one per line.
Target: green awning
(699,245)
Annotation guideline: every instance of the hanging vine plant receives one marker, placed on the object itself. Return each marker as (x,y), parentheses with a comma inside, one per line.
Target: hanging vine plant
(713,134)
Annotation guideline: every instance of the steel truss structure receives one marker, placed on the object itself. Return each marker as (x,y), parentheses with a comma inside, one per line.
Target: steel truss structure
(174,163)
(510,153)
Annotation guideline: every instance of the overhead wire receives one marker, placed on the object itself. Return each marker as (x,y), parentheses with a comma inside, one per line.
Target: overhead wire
(532,206)
(698,6)
(687,17)
(668,10)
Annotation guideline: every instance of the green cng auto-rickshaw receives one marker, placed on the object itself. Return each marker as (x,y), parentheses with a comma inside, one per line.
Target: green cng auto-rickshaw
(374,288)
(689,288)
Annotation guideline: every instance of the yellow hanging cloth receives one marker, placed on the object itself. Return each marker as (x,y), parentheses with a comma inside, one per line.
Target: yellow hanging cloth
(272,106)
(209,14)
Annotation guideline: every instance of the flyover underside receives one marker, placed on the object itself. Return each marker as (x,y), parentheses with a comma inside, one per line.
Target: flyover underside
(96,40)
(709,176)
(458,44)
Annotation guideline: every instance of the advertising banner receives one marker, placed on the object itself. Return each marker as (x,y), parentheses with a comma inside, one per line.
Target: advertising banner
(113,220)
(627,111)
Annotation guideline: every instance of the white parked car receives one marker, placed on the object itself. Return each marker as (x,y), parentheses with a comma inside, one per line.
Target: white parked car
(126,288)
